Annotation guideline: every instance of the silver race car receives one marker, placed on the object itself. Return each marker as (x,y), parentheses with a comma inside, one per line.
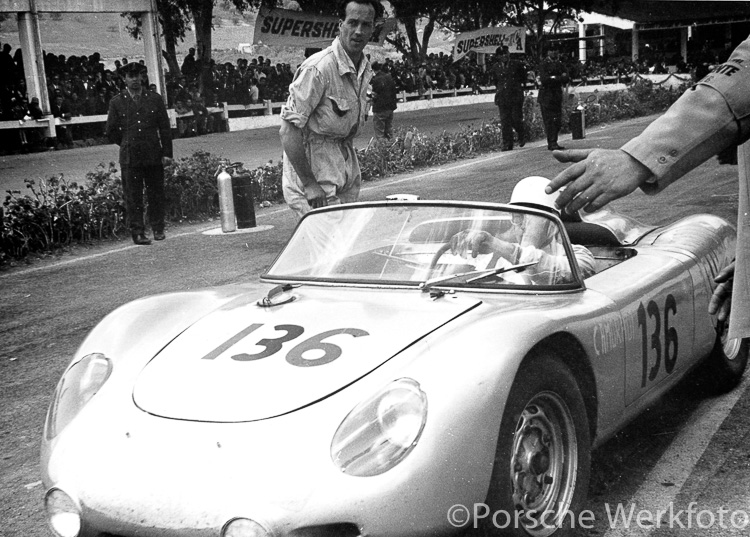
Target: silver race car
(402,368)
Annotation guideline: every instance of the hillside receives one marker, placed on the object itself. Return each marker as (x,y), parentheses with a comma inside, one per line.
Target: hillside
(83,34)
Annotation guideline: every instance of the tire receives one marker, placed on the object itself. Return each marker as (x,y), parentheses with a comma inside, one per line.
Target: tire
(543,458)
(727,362)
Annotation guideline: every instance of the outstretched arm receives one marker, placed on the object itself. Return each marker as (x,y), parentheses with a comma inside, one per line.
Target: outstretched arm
(711,116)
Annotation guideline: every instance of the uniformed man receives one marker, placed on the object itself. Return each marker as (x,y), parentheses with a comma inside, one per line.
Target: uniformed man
(708,118)
(139,124)
(552,78)
(510,77)
(384,101)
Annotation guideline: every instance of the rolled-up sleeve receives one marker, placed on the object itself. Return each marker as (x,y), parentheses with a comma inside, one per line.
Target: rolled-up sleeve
(305,93)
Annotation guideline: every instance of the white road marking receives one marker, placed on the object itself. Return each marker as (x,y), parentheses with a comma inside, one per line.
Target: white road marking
(677,463)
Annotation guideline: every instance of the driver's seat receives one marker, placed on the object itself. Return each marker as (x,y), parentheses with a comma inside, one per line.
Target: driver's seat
(586,233)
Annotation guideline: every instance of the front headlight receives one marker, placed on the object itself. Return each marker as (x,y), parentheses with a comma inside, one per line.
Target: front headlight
(379,432)
(76,388)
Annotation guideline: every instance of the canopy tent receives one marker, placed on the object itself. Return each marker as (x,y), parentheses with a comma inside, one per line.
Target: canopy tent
(31,42)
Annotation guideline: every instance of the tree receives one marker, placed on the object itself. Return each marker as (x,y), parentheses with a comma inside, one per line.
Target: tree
(535,15)
(174,19)
(175,15)
(455,16)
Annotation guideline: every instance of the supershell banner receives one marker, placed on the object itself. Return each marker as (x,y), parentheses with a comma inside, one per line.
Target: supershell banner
(488,39)
(295,28)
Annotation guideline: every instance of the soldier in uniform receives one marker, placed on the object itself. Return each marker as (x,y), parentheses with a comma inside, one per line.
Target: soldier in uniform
(139,124)
(552,78)
(510,76)
(708,118)
(384,101)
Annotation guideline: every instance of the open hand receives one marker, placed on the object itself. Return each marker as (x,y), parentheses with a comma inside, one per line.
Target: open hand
(721,300)
(597,177)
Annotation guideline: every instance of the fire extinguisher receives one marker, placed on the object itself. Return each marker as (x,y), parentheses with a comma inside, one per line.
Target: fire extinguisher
(226,199)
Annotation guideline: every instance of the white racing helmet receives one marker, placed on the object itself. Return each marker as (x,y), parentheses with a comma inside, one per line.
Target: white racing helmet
(529,191)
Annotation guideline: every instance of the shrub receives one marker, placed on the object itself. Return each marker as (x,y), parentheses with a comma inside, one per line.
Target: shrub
(190,186)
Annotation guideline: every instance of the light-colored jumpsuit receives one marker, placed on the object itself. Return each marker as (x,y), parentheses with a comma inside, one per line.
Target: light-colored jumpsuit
(327,101)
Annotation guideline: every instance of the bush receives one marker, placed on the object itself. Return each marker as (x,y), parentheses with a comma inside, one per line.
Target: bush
(58,213)
(190,186)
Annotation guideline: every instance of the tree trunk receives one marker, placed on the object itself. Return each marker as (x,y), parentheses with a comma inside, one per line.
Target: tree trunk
(426,34)
(411,33)
(170,52)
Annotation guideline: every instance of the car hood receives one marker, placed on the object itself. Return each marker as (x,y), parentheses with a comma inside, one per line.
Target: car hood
(243,362)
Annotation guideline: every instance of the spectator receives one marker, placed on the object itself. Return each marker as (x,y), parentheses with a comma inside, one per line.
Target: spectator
(34,109)
(61,110)
(203,123)
(110,84)
(188,64)
(253,91)
(185,122)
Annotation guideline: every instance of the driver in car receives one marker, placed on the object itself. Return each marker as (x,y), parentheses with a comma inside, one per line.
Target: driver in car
(531,240)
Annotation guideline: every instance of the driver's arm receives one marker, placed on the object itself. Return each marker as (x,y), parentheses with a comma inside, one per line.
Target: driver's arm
(480,243)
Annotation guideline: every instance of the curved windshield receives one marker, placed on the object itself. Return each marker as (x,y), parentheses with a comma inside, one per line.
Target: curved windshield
(427,245)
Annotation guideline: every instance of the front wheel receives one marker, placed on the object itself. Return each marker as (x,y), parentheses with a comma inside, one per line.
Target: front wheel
(542,464)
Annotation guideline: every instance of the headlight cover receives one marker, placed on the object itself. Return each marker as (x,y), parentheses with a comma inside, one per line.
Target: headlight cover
(379,432)
(76,388)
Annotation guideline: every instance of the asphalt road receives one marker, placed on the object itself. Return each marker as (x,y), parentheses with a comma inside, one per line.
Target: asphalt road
(688,448)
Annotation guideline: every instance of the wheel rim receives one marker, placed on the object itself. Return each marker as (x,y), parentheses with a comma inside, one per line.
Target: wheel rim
(544,464)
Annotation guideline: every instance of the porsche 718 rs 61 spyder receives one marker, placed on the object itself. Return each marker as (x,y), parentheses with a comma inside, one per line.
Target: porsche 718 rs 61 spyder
(381,373)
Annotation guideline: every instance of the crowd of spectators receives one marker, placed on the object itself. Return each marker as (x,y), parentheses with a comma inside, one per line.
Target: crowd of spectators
(82,85)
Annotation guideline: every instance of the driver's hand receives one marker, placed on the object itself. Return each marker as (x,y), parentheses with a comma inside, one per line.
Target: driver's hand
(470,240)
(721,301)
(315,195)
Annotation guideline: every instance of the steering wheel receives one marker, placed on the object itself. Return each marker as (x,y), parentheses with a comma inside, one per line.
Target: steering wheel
(435,258)
(524,276)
